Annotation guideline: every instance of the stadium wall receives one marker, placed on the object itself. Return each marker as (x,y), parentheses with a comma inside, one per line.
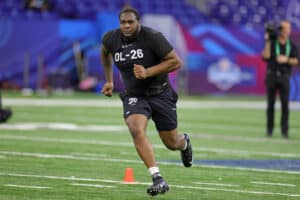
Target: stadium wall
(219,60)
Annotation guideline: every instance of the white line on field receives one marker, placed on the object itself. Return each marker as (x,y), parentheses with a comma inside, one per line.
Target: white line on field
(62,126)
(143,183)
(275,184)
(241,191)
(91,154)
(92,185)
(217,184)
(118,129)
(28,126)
(72,178)
(117,103)
(243,138)
(26,186)
(72,157)
(129,144)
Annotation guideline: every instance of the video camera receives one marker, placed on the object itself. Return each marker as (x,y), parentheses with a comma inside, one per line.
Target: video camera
(273,30)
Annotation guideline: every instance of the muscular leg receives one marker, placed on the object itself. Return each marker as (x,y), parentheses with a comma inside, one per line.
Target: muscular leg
(172,139)
(137,124)
(175,141)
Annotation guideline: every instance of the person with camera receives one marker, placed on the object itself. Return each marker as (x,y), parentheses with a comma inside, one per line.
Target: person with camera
(281,54)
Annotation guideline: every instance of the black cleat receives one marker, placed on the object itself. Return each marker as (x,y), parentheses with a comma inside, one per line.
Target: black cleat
(269,135)
(285,135)
(159,186)
(5,114)
(187,154)
(269,132)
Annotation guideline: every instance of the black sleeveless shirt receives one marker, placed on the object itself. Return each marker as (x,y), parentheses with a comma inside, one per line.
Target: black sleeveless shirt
(147,49)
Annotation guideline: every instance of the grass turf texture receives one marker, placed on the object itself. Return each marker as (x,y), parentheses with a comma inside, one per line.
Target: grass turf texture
(59,158)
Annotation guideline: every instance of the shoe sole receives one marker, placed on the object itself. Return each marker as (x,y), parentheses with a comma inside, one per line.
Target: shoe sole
(154,193)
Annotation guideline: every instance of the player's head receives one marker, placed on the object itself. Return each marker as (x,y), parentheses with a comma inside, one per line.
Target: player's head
(285,29)
(129,22)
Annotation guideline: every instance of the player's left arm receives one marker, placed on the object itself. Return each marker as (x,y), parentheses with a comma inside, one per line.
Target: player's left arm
(293,60)
(171,62)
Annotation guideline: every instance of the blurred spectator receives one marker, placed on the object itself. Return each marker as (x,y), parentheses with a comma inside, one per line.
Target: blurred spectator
(281,54)
(37,5)
(80,61)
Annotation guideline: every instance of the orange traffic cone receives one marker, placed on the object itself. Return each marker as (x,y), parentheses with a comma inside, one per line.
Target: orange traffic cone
(128,178)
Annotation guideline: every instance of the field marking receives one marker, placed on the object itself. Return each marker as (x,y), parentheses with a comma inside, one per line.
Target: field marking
(143,183)
(62,126)
(27,186)
(72,157)
(216,184)
(226,127)
(92,185)
(28,126)
(100,155)
(274,184)
(69,157)
(243,138)
(129,144)
(118,128)
(204,104)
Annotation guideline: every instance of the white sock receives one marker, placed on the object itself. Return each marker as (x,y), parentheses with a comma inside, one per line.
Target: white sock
(153,170)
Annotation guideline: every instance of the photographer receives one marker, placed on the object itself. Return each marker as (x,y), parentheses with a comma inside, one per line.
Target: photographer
(281,54)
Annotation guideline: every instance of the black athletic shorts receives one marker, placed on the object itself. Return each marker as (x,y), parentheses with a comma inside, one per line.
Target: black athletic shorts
(161,108)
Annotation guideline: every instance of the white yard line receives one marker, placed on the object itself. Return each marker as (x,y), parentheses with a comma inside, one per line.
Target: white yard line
(240,191)
(91,154)
(62,126)
(129,144)
(248,153)
(68,157)
(101,102)
(26,186)
(143,183)
(72,157)
(119,129)
(92,185)
(243,138)
(217,184)
(274,184)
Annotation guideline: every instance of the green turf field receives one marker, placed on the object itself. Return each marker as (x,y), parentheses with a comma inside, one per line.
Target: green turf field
(81,152)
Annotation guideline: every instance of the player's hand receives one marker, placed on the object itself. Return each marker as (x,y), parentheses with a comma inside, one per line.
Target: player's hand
(139,71)
(107,89)
(267,37)
(281,59)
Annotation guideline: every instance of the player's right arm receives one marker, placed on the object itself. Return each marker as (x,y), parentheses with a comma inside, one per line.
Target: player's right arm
(106,60)
(266,53)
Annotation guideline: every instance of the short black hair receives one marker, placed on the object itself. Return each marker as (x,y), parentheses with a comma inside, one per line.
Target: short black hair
(130,10)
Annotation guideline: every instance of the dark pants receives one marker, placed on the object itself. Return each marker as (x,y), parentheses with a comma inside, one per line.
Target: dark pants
(0,100)
(281,83)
